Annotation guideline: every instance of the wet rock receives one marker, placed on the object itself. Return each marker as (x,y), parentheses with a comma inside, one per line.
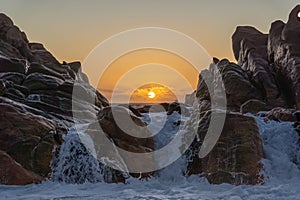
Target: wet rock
(123,128)
(235,158)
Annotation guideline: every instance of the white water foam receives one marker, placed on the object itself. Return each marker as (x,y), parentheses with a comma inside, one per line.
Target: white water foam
(281,170)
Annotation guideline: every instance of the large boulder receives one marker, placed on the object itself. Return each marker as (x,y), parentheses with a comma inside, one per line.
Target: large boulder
(12,173)
(235,158)
(27,138)
(122,127)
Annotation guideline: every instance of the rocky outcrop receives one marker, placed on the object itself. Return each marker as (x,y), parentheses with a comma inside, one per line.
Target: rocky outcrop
(235,158)
(272,60)
(36,103)
(36,98)
(251,47)
(236,82)
(266,78)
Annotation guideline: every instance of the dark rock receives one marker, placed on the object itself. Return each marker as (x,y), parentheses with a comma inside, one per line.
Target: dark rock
(253,106)
(14,94)
(41,55)
(16,78)
(38,81)
(2,87)
(297,115)
(251,47)
(12,65)
(284,52)
(132,109)
(14,37)
(238,87)
(37,68)
(75,66)
(205,80)
(178,107)
(108,123)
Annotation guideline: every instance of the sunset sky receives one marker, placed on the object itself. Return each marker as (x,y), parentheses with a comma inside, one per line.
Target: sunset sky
(71,29)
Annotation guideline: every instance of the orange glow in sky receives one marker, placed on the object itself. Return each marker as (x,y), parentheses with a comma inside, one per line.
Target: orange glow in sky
(152,93)
(146,66)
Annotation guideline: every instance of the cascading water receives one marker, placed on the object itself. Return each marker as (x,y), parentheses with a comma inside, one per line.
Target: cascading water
(74,162)
(77,163)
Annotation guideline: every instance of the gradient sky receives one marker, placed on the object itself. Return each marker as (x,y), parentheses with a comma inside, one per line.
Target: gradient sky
(70,29)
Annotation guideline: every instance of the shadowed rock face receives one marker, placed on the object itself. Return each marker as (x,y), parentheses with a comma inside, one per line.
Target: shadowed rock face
(284,54)
(253,58)
(272,60)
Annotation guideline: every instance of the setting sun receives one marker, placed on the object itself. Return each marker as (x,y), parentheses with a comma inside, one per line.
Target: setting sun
(151,95)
